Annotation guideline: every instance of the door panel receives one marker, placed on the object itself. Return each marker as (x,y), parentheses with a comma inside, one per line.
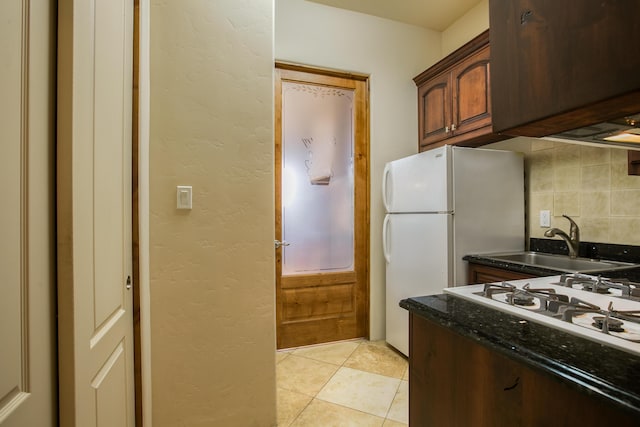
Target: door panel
(434,109)
(321,207)
(94,212)
(27,249)
(472,95)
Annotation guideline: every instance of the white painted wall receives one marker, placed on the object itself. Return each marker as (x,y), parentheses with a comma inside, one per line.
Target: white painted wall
(392,54)
(466,27)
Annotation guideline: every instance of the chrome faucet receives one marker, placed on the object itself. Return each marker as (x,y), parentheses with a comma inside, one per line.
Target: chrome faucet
(573,239)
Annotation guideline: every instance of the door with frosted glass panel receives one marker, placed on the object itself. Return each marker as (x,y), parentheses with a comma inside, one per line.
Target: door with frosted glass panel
(321,207)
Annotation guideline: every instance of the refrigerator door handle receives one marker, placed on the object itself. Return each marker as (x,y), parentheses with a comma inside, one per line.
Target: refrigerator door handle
(385,177)
(385,240)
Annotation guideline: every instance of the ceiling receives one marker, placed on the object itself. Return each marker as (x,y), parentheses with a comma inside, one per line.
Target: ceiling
(433,14)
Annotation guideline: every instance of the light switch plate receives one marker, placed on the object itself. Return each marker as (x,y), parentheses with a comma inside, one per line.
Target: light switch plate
(545,218)
(184,196)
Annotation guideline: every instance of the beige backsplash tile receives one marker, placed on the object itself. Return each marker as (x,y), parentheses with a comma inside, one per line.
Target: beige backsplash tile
(566,178)
(541,171)
(541,201)
(620,178)
(594,155)
(625,231)
(625,203)
(596,177)
(605,203)
(595,204)
(594,229)
(567,155)
(566,204)
(541,144)
(537,203)
(618,155)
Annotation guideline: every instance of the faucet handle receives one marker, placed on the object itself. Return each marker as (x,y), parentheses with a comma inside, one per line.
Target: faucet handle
(574,231)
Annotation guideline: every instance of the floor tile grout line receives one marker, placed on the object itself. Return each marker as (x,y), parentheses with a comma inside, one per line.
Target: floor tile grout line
(350,408)
(313,397)
(393,400)
(300,413)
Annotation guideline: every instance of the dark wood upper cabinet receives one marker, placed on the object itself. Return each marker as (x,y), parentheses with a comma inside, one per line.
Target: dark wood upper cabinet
(557,66)
(454,98)
(634,162)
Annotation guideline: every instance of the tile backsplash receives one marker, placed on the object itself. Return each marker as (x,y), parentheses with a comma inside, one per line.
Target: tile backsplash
(590,184)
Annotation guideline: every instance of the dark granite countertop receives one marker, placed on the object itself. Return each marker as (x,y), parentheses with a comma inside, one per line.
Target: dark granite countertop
(588,366)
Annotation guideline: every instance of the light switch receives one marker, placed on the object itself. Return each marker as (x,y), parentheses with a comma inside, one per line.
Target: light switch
(545,218)
(184,196)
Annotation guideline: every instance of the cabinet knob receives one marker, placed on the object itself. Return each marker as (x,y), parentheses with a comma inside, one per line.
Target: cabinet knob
(453,127)
(446,129)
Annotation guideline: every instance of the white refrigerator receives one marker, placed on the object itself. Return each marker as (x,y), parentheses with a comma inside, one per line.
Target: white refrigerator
(441,205)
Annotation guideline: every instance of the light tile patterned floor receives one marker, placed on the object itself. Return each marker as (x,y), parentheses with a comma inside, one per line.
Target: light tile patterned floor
(348,383)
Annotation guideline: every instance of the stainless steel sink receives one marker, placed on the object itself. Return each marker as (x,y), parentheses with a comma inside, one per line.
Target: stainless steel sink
(560,263)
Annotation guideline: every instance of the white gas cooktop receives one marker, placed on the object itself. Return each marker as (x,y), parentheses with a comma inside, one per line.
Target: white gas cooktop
(595,308)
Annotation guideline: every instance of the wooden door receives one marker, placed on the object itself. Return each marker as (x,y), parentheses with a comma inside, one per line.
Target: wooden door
(471,93)
(28,380)
(434,110)
(322,304)
(94,212)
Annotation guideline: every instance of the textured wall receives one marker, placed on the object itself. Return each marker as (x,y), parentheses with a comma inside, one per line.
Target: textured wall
(212,268)
(392,53)
(466,27)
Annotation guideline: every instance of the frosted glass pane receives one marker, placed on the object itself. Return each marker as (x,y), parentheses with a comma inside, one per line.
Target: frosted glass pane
(317,178)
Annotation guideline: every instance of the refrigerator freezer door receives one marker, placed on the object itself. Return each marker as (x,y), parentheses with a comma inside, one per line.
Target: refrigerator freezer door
(418,183)
(418,263)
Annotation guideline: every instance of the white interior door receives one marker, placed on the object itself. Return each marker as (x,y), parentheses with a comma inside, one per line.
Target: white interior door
(94,212)
(27,229)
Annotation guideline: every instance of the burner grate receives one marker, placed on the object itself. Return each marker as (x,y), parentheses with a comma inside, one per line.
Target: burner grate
(601,285)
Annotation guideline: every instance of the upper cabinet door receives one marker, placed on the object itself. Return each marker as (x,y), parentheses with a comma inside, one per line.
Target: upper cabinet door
(454,101)
(471,93)
(556,66)
(434,109)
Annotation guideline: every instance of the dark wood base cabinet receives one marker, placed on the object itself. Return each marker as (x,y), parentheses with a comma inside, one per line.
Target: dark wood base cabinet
(454,381)
(479,273)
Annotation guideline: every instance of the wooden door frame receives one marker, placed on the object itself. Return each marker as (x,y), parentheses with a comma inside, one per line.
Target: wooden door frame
(361,181)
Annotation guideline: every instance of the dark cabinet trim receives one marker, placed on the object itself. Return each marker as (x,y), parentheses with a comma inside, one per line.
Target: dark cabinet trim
(453,58)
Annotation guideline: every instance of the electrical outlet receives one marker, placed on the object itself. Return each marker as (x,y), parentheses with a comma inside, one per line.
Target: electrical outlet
(545,218)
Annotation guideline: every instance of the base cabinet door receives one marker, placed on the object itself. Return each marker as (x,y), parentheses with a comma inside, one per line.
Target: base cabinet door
(454,381)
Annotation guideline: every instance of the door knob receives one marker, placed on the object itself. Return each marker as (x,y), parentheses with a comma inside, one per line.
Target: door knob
(278,243)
